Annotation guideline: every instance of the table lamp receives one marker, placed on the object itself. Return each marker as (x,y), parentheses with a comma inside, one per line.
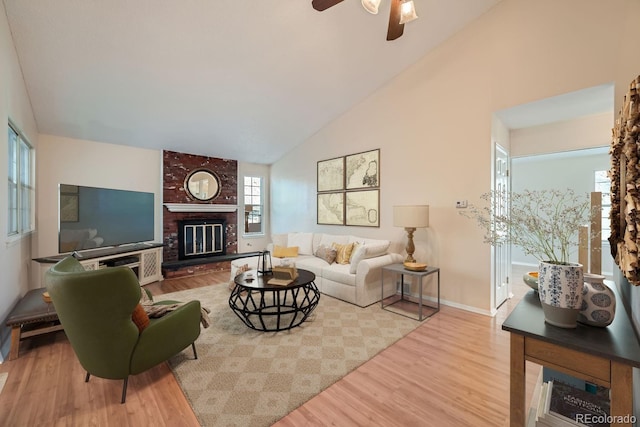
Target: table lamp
(411,218)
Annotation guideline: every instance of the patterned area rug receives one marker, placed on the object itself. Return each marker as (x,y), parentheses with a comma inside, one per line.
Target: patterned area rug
(247,378)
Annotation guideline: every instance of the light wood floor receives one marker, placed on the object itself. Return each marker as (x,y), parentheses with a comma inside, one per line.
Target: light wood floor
(451,371)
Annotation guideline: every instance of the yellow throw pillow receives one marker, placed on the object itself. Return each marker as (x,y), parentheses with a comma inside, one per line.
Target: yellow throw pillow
(282,252)
(343,252)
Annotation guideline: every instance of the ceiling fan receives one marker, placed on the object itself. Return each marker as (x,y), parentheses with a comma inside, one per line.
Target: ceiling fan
(402,11)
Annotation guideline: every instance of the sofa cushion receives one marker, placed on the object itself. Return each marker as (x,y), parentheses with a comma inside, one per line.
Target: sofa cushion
(339,273)
(304,242)
(326,253)
(312,263)
(343,252)
(285,252)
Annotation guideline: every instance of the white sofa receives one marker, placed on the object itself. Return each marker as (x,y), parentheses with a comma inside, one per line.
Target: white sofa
(358,282)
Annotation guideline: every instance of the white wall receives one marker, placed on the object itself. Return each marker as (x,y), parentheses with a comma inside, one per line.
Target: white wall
(14,104)
(560,171)
(433,124)
(93,164)
(582,132)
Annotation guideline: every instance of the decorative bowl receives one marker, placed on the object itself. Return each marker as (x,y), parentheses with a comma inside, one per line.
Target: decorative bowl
(415,266)
(531,279)
(46,297)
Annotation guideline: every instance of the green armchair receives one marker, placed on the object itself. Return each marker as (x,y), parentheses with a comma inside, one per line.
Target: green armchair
(95,308)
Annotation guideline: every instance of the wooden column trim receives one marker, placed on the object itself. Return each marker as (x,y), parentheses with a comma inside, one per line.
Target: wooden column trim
(517,384)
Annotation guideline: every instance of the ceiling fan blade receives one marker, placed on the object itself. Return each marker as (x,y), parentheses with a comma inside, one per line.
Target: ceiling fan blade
(395,27)
(321,5)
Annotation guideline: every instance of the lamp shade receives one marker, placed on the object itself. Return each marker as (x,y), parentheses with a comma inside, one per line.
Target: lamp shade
(414,216)
(371,6)
(407,12)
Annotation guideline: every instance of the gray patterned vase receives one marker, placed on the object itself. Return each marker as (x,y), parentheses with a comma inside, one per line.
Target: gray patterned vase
(598,302)
(560,289)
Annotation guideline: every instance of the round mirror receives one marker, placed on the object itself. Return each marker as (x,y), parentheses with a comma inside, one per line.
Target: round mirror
(202,184)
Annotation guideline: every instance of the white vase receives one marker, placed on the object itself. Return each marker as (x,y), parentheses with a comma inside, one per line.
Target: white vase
(598,302)
(560,290)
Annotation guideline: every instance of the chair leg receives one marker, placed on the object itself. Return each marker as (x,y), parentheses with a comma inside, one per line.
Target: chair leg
(195,353)
(124,389)
(86,379)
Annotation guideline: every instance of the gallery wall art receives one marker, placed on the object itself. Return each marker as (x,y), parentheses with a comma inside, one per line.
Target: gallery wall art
(349,190)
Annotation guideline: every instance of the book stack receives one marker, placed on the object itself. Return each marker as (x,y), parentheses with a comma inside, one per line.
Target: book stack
(563,405)
(283,276)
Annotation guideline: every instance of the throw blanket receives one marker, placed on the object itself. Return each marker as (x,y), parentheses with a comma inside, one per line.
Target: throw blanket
(159,310)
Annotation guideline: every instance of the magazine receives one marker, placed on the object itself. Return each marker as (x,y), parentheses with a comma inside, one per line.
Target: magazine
(579,406)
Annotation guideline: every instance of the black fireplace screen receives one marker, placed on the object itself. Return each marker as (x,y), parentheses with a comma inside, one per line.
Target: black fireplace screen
(201,238)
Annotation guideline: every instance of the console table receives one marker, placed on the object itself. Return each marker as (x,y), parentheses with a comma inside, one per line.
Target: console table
(145,259)
(604,356)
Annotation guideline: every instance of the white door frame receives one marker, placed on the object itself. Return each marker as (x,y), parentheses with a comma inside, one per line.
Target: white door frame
(500,255)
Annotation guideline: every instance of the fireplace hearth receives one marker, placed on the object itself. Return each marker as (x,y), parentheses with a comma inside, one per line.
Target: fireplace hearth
(201,238)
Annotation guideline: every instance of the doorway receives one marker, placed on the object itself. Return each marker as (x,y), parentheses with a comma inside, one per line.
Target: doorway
(501,253)
(556,129)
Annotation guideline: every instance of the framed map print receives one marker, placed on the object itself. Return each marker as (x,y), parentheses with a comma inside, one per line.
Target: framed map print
(331,208)
(362,208)
(363,170)
(331,174)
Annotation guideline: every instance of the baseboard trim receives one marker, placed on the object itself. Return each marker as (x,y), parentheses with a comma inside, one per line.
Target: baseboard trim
(433,300)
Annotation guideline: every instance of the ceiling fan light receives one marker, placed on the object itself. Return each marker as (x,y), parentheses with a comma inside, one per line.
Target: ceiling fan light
(371,6)
(407,11)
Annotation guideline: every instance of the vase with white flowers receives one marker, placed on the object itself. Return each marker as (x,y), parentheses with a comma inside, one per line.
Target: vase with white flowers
(544,224)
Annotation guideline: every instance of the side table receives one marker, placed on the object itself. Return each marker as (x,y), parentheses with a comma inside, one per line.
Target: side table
(402,271)
(30,317)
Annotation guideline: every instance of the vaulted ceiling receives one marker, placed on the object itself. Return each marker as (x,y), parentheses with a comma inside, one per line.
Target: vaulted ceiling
(238,79)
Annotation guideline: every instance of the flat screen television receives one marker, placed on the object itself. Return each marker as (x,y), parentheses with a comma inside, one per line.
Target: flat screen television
(91,217)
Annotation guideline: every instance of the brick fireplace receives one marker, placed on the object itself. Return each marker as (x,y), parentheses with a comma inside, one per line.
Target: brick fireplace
(182,209)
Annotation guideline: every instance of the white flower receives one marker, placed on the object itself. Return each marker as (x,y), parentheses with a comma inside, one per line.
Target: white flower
(544,223)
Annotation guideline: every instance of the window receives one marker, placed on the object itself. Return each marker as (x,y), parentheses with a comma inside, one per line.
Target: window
(253,205)
(603,185)
(20,184)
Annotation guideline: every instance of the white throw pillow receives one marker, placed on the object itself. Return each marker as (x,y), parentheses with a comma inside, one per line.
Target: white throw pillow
(378,249)
(304,242)
(356,256)
(279,239)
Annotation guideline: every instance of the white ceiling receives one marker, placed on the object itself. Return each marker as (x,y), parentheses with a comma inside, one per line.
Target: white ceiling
(237,79)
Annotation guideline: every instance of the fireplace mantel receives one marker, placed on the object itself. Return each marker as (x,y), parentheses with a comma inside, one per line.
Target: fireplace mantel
(200,207)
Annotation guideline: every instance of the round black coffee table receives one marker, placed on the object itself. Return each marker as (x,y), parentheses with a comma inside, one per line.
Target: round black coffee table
(265,307)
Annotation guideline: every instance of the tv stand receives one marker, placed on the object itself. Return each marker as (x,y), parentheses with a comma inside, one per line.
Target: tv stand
(145,259)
